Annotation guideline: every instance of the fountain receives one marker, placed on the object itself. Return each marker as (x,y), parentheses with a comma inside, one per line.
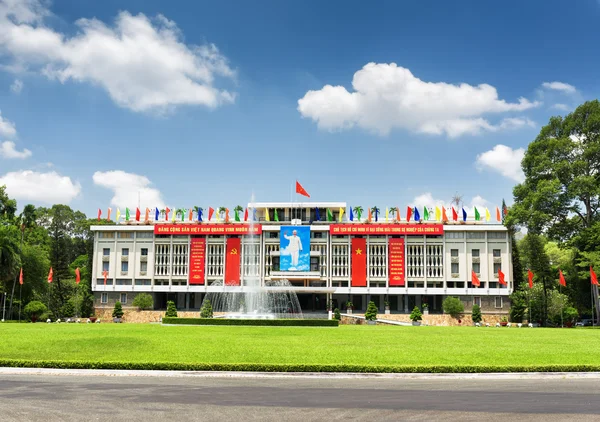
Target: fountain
(252,300)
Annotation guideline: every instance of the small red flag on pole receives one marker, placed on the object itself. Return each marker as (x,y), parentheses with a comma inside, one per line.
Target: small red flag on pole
(300,190)
(530,276)
(105,274)
(501,277)
(475,279)
(561,278)
(593,276)
(246,215)
(454,215)
(50,274)
(77,275)
(21,276)
(108,215)
(99,214)
(138,214)
(167,211)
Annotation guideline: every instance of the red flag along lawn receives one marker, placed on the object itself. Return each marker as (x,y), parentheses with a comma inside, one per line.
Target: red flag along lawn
(530,276)
(474,279)
(593,276)
(561,278)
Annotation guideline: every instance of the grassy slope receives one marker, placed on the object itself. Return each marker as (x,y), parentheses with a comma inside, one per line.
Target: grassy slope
(355,345)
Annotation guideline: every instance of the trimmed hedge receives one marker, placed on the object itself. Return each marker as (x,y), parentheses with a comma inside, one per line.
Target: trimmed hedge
(265,367)
(258,322)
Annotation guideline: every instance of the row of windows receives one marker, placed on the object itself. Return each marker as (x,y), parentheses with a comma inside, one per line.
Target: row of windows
(125,235)
(476,266)
(125,264)
(104,298)
(497,301)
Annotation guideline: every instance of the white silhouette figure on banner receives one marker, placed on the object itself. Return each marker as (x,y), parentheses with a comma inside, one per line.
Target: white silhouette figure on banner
(294,247)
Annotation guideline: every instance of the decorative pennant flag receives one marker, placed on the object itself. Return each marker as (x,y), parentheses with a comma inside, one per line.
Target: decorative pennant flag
(138,214)
(387,214)
(191,214)
(218,216)
(504,210)
(488,217)
(454,215)
(267,216)
(126,214)
(246,215)
(118,215)
(50,274)
(99,214)
(211,211)
(199,216)
(351,215)
(398,219)
(593,276)
(501,277)
(156,213)
(464,214)
(408,214)
(561,278)
(167,211)
(254,214)
(275,215)
(329,215)
(530,276)
(444,216)
(108,215)
(369,216)
(147,215)
(317,214)
(474,279)
(21,276)
(236,214)
(376,211)
(417,216)
(77,275)
(105,274)
(174,215)
(300,190)
(477,216)
(227,215)
(341,214)
(438,214)
(425,214)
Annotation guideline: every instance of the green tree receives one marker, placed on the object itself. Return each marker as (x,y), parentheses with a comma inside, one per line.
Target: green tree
(518,306)
(416,314)
(34,309)
(238,210)
(358,211)
(143,301)
(10,260)
(206,311)
(476,313)
(393,212)
(8,206)
(453,306)
(371,313)
(336,314)
(171,309)
(536,259)
(118,310)
(68,309)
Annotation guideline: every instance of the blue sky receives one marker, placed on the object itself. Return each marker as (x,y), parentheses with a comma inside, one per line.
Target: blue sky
(202,103)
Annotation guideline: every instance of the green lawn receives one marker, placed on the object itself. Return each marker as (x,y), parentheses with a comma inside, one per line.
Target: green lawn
(300,348)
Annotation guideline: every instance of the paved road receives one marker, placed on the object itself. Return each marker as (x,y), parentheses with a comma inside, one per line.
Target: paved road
(127,398)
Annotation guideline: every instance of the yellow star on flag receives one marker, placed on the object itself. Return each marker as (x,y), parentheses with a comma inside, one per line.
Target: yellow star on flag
(359,251)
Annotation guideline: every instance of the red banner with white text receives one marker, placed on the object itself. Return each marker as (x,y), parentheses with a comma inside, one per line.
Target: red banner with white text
(197,260)
(359,262)
(396,262)
(185,229)
(232,261)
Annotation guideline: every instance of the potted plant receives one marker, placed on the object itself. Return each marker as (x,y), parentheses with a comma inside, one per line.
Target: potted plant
(117,312)
(349,307)
(371,314)
(387,307)
(504,321)
(416,316)
(425,309)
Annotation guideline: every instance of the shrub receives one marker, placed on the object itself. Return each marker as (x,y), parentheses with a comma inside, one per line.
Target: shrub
(336,314)
(143,301)
(118,311)
(35,309)
(68,309)
(248,322)
(87,306)
(570,314)
(416,315)
(206,311)
(453,306)
(518,307)
(476,314)
(371,314)
(171,309)
(349,305)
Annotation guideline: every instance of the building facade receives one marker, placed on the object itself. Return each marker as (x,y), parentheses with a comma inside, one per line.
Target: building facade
(324,257)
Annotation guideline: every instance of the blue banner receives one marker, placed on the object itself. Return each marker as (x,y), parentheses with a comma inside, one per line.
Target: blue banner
(294,248)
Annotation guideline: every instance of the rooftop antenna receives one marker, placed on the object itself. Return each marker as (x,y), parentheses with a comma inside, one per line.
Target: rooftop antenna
(457,200)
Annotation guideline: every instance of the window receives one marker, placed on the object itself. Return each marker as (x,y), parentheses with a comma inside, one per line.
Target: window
(123,282)
(275,263)
(125,251)
(106,235)
(143,267)
(125,235)
(454,253)
(144,235)
(123,298)
(106,252)
(316,235)
(475,235)
(498,302)
(124,266)
(477,300)
(454,268)
(314,263)
(475,253)
(144,252)
(496,235)
(273,235)
(455,235)
(142,282)
(104,298)
(476,267)
(497,267)
(105,266)
(496,253)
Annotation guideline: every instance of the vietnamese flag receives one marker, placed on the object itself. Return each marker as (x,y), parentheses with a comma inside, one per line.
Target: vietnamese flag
(444,216)
(77,275)
(21,276)
(50,274)
(501,277)
(474,279)
(408,214)
(99,214)
(593,276)
(530,276)
(105,274)
(300,190)
(138,214)
(454,215)
(561,278)
(359,262)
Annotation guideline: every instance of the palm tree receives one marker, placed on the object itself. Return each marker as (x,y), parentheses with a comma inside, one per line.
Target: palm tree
(221,212)
(180,212)
(393,212)
(358,211)
(163,211)
(238,209)
(28,216)
(375,212)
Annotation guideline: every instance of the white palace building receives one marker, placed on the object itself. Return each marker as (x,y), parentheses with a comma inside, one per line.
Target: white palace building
(324,257)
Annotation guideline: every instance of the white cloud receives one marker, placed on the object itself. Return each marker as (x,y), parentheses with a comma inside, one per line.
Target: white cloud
(427,200)
(17,86)
(504,160)
(126,188)
(50,188)
(142,63)
(560,86)
(7,128)
(386,97)
(479,202)
(8,150)
(562,107)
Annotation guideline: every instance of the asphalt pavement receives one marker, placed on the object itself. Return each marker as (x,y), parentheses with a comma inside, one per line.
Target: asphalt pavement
(202,397)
